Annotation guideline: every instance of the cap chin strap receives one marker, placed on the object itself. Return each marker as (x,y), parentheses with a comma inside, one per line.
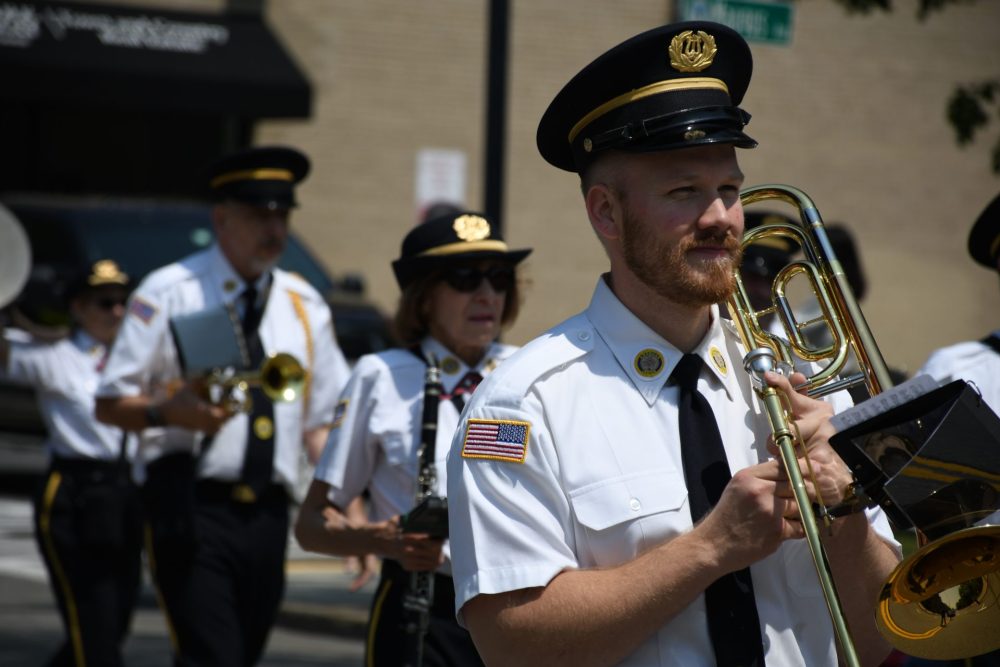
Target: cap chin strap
(690,125)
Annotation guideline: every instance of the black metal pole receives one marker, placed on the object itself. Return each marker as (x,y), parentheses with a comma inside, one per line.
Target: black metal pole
(496,110)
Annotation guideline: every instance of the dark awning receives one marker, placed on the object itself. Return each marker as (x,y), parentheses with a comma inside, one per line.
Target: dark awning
(147,59)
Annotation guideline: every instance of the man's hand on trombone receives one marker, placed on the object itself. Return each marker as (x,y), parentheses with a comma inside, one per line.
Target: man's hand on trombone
(757,510)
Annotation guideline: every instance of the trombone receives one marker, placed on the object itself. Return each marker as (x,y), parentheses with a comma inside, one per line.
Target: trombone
(964,565)
(767,352)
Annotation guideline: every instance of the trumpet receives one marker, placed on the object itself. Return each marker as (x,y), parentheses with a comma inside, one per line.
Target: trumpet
(916,603)
(281,377)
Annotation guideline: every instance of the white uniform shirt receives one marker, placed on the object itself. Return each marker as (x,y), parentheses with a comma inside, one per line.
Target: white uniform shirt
(65,375)
(296,320)
(374,441)
(602,479)
(971,361)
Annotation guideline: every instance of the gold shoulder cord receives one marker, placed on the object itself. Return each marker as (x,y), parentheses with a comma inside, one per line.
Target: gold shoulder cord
(300,312)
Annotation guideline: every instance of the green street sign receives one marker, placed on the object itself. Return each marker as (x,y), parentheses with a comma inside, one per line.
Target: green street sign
(757,20)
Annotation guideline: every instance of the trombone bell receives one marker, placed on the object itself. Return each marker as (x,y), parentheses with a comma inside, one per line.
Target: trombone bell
(950,584)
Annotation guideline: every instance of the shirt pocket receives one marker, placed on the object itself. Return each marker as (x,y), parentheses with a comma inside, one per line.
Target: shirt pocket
(619,518)
(399,452)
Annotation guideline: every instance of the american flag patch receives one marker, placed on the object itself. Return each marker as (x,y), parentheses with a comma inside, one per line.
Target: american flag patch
(339,411)
(139,308)
(496,439)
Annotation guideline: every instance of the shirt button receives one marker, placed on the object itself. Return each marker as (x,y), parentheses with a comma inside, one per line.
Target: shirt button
(583,335)
(634,504)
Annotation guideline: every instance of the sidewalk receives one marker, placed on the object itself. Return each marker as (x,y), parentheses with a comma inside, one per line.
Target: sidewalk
(318,598)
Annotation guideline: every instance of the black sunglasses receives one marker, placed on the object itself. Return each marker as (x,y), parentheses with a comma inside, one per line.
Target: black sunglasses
(108,302)
(468,278)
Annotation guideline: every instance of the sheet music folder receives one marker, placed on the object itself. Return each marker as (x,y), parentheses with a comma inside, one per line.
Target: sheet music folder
(208,340)
(928,455)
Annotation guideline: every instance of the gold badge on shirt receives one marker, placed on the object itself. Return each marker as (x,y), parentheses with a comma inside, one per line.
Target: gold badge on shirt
(450,365)
(263,427)
(648,363)
(718,360)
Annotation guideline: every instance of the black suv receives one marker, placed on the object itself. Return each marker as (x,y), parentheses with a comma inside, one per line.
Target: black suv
(69,234)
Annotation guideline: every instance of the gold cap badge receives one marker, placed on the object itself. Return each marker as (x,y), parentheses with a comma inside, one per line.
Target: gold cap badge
(471,227)
(692,51)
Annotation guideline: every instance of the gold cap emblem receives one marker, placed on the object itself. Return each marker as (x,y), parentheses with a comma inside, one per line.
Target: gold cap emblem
(692,51)
(471,228)
(648,363)
(105,271)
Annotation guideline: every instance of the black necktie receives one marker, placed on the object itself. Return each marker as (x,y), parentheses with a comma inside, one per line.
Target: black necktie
(460,394)
(733,624)
(258,457)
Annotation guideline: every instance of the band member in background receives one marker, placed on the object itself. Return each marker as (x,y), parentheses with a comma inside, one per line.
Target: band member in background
(217,486)
(88,521)
(615,497)
(459,288)
(976,361)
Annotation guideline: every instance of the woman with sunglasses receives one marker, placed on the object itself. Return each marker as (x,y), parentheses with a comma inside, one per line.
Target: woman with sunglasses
(87,515)
(459,288)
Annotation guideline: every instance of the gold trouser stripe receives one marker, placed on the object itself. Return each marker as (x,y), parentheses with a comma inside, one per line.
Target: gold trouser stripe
(699,82)
(373,624)
(300,312)
(45,526)
(151,559)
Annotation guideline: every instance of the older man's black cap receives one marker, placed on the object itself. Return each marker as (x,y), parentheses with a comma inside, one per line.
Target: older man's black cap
(456,237)
(672,87)
(263,176)
(984,239)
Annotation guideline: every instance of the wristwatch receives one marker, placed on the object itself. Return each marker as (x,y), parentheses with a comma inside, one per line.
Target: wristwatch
(154,417)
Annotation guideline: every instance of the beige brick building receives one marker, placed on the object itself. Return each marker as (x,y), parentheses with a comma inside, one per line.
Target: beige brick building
(851,111)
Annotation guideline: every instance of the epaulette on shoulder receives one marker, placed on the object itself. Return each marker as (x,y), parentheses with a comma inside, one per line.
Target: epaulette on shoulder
(570,340)
(296,283)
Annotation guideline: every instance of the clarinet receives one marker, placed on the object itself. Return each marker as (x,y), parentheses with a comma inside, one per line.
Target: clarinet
(420,595)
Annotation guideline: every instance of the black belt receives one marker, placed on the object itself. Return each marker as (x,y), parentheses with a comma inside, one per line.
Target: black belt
(217,491)
(95,470)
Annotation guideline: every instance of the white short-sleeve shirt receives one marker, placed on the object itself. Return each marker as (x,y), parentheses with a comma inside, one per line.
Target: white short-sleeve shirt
(65,375)
(373,444)
(602,479)
(296,321)
(971,361)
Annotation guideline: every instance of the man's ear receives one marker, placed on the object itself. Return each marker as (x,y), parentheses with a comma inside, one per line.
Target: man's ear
(604,210)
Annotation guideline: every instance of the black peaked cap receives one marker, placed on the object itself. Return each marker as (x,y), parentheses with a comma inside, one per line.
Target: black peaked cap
(672,87)
(454,238)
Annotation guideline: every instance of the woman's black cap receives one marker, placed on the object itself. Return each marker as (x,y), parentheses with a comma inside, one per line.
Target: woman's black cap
(454,238)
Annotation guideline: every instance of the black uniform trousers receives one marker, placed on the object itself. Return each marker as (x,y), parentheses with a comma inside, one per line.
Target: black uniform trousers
(218,564)
(88,525)
(447,644)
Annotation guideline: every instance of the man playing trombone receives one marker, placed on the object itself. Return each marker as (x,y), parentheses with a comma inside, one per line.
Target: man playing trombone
(217,487)
(615,492)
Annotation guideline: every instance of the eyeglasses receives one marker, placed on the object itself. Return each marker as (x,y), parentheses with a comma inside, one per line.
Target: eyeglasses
(468,278)
(108,302)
